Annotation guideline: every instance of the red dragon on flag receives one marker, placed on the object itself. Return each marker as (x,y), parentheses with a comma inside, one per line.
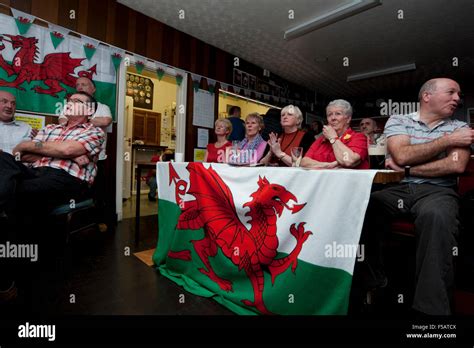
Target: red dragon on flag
(55,69)
(251,250)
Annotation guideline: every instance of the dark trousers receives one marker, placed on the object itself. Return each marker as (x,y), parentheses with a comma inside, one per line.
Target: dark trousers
(435,213)
(27,195)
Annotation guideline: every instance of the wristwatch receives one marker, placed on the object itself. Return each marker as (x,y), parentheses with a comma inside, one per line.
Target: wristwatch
(333,140)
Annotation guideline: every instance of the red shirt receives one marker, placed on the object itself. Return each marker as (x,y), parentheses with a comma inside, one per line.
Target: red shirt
(216,154)
(322,151)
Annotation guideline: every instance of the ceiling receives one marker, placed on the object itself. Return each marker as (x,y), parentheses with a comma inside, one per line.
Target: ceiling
(430,34)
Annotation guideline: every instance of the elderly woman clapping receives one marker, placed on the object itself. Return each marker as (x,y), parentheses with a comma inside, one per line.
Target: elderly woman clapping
(292,136)
(339,146)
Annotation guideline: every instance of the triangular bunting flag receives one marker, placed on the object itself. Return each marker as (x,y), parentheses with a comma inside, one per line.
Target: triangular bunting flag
(196,81)
(179,79)
(116,59)
(139,65)
(160,72)
(23,21)
(90,46)
(57,34)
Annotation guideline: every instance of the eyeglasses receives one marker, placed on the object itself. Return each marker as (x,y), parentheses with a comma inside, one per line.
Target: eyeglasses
(75,101)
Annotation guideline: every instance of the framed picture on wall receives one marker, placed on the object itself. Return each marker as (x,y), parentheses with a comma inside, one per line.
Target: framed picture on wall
(140,89)
(252,83)
(237,77)
(245,80)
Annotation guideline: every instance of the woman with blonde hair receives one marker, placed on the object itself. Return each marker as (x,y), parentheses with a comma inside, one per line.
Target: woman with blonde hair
(292,136)
(216,152)
(252,147)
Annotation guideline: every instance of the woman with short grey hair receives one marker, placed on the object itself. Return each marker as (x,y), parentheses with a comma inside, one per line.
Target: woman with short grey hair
(339,146)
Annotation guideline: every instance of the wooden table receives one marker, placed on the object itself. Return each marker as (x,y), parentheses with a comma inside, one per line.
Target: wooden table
(388,176)
(138,174)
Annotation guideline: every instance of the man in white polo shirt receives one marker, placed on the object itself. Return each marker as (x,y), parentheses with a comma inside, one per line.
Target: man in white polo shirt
(12,132)
(432,149)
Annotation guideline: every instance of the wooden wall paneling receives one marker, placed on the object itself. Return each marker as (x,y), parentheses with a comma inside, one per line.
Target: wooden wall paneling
(110,31)
(97,14)
(212,62)
(64,15)
(191,132)
(168,44)
(5,2)
(205,63)
(155,39)
(121,26)
(82,15)
(45,9)
(199,57)
(141,34)
(185,52)
(193,55)
(220,65)
(176,48)
(132,25)
(22,5)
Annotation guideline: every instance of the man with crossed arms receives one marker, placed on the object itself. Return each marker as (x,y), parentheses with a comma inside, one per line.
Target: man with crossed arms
(432,149)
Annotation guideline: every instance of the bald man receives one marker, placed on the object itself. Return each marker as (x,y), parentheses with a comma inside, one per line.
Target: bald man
(368,126)
(12,132)
(432,149)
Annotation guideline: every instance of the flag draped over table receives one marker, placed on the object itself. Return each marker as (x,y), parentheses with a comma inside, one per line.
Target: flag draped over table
(41,76)
(262,240)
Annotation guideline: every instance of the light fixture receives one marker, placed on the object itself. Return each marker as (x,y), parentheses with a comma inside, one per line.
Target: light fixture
(252,100)
(331,17)
(381,72)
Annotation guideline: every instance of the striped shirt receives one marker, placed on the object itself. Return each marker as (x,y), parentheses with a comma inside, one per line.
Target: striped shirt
(12,133)
(86,134)
(420,133)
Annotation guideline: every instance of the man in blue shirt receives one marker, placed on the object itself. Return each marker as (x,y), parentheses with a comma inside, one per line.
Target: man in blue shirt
(238,125)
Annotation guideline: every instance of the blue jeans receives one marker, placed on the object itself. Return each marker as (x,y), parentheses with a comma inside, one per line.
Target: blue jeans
(153,186)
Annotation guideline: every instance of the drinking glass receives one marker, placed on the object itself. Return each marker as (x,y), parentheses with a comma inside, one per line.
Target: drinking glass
(296,156)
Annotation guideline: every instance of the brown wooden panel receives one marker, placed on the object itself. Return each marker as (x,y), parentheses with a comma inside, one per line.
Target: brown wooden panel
(155,38)
(64,15)
(45,9)
(212,62)
(110,33)
(185,52)
(168,44)
(132,22)
(6,2)
(176,47)
(96,17)
(121,26)
(83,5)
(200,57)
(220,65)
(22,5)
(193,56)
(141,32)
(205,68)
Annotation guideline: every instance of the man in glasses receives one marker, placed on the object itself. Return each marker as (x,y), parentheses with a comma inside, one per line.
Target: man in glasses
(51,175)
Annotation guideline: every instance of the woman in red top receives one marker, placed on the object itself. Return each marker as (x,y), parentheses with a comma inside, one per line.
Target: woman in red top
(339,146)
(292,136)
(216,153)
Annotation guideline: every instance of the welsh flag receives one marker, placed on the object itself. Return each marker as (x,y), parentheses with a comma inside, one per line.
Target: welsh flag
(40,77)
(262,240)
